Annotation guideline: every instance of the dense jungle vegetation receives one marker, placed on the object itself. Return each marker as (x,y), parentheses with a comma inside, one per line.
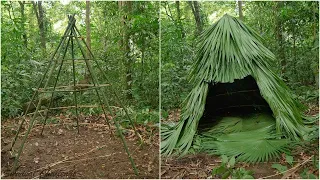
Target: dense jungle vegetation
(123,35)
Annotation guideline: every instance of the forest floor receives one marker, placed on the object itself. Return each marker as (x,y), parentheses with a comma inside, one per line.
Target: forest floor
(93,153)
(199,166)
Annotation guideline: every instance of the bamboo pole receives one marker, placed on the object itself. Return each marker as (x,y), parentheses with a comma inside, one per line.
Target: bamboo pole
(33,105)
(74,77)
(54,87)
(15,165)
(106,102)
(74,87)
(72,90)
(235,92)
(94,84)
(237,106)
(41,81)
(115,93)
(79,106)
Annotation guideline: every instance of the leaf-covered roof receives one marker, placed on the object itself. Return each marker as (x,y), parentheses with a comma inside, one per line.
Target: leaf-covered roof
(230,50)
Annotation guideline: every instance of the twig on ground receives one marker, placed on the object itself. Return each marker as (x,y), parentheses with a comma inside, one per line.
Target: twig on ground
(51,125)
(71,161)
(67,159)
(182,167)
(295,168)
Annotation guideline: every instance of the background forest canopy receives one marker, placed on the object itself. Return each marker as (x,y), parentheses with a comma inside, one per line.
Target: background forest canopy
(289,29)
(123,35)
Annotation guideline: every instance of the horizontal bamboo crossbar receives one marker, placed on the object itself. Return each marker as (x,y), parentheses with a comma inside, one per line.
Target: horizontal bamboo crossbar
(70,107)
(79,106)
(70,60)
(78,59)
(235,92)
(74,36)
(77,88)
(251,105)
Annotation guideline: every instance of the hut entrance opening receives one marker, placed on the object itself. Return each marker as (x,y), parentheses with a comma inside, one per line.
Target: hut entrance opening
(238,99)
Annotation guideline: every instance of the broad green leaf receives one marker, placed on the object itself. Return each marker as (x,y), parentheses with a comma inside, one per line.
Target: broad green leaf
(279,167)
(247,177)
(224,159)
(219,170)
(226,175)
(289,159)
(232,161)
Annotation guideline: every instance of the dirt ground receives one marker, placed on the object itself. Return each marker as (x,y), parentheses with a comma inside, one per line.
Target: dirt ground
(93,153)
(200,166)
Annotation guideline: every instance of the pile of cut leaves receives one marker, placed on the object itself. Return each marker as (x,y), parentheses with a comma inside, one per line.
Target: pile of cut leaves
(250,138)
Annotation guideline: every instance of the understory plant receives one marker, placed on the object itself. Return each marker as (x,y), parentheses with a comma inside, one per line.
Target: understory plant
(227,169)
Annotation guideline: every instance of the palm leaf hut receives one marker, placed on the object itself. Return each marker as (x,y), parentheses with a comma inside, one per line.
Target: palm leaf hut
(238,106)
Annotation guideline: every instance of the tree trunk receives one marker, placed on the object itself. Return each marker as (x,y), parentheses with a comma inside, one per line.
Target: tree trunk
(240,10)
(24,35)
(280,42)
(195,7)
(179,19)
(105,44)
(41,27)
(40,17)
(126,8)
(294,55)
(315,36)
(142,62)
(88,27)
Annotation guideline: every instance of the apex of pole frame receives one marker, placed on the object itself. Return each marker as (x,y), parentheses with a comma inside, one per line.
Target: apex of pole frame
(71,17)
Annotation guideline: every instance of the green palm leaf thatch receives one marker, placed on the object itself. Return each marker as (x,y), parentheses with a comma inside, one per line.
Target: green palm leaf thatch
(250,138)
(230,50)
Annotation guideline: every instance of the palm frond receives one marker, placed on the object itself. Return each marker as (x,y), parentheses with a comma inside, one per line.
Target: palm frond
(255,139)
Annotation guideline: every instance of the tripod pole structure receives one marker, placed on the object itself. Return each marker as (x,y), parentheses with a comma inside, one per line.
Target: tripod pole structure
(68,37)
(94,79)
(74,77)
(54,87)
(115,93)
(40,83)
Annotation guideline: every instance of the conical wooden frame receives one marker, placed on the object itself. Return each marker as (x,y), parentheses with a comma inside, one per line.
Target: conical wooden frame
(71,37)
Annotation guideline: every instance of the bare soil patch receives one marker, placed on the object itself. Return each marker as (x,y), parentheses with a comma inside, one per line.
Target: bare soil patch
(93,153)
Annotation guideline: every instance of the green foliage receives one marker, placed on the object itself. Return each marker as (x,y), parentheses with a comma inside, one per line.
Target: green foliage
(23,64)
(307,175)
(50,120)
(227,169)
(280,168)
(176,52)
(139,116)
(306,94)
(313,134)
(146,116)
(289,159)
(297,23)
